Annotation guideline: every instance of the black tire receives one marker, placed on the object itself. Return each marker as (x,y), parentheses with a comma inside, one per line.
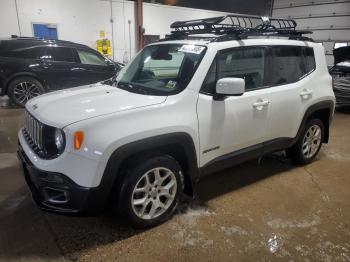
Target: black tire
(295,153)
(34,88)
(132,176)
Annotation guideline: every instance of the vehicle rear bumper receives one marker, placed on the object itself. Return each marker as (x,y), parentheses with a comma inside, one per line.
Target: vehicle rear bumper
(57,193)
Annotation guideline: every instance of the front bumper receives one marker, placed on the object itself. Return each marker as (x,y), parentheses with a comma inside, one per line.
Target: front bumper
(57,193)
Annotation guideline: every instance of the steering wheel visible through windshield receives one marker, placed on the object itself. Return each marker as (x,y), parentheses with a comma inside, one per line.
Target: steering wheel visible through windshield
(162,69)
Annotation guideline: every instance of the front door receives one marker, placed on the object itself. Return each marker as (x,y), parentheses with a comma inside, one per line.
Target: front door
(237,122)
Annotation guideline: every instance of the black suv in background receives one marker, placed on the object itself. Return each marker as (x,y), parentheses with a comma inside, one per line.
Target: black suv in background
(30,67)
(341,75)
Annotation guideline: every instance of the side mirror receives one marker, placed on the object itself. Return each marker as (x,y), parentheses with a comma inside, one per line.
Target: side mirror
(230,86)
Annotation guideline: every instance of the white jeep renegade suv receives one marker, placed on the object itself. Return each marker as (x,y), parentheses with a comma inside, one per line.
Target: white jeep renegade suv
(181,109)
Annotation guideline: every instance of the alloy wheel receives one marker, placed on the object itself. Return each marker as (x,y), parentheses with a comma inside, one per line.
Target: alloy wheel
(24,91)
(312,141)
(154,193)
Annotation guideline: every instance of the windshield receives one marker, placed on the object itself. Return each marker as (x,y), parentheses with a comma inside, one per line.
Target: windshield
(163,69)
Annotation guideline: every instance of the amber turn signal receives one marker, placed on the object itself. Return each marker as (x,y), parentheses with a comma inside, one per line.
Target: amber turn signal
(78,139)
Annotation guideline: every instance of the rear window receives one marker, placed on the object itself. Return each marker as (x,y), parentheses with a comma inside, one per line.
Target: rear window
(90,58)
(60,54)
(289,64)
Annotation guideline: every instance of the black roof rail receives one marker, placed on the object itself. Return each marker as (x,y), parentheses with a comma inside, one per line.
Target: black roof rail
(237,27)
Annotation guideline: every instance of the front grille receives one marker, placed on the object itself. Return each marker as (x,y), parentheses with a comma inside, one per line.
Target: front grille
(40,137)
(33,133)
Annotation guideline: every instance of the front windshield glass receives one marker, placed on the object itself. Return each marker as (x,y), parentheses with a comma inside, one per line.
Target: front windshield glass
(162,69)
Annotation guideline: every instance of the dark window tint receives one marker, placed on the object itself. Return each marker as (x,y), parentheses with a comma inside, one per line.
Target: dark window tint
(247,63)
(25,52)
(310,59)
(209,83)
(287,65)
(60,54)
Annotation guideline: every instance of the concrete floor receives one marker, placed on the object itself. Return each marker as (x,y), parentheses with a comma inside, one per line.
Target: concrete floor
(270,211)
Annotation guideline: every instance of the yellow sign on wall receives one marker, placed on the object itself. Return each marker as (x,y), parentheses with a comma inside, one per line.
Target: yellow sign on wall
(104,44)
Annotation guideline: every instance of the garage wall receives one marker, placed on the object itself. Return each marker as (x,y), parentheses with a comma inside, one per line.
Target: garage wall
(328,19)
(81,20)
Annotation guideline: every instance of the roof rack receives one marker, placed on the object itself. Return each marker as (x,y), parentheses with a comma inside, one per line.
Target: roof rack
(232,27)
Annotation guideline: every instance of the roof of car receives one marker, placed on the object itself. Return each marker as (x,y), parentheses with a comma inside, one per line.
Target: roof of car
(34,40)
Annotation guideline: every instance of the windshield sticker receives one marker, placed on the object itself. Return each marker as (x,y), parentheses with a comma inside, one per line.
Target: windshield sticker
(195,49)
(171,84)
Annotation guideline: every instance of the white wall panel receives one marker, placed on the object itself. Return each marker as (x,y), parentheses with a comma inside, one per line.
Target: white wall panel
(328,19)
(8,22)
(81,20)
(329,9)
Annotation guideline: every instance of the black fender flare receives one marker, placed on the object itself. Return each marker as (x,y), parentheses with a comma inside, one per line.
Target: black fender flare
(112,177)
(326,104)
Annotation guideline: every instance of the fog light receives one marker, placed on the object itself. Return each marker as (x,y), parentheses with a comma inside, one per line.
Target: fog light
(55,196)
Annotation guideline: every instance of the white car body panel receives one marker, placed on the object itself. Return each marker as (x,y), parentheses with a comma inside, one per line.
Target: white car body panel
(111,117)
(77,104)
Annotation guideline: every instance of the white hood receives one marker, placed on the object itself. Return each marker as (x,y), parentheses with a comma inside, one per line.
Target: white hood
(68,106)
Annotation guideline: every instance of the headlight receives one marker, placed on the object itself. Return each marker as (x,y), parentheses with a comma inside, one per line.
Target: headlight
(59,139)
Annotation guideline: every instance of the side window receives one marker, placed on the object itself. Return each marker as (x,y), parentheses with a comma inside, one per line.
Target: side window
(209,83)
(60,54)
(287,65)
(310,59)
(247,63)
(90,58)
(24,53)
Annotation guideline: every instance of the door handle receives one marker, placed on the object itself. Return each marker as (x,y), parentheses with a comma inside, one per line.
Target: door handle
(260,104)
(45,65)
(306,93)
(77,69)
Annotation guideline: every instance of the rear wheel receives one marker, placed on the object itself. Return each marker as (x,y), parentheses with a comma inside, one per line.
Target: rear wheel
(309,143)
(151,191)
(22,89)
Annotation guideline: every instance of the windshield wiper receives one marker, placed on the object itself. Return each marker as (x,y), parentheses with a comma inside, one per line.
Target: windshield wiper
(131,88)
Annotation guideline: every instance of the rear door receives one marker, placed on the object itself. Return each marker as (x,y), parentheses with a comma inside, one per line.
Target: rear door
(290,90)
(60,67)
(94,67)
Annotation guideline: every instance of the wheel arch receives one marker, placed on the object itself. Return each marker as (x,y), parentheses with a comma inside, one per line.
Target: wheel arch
(178,145)
(21,74)
(322,110)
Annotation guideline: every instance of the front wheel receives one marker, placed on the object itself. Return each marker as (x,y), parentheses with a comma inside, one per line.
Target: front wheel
(23,88)
(151,191)
(309,143)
